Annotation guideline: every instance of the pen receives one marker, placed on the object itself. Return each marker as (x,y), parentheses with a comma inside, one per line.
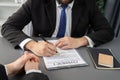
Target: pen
(45,40)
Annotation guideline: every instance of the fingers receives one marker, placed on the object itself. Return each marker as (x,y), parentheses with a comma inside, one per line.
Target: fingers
(58,43)
(65,47)
(69,42)
(44,49)
(31,64)
(52,48)
(66,43)
(26,53)
(34,58)
(63,43)
(29,56)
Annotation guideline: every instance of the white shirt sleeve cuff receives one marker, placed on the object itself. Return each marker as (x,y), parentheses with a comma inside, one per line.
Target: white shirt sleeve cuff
(6,69)
(91,43)
(33,70)
(22,44)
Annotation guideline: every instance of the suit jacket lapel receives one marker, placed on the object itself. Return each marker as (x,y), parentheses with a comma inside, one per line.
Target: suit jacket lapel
(51,13)
(76,13)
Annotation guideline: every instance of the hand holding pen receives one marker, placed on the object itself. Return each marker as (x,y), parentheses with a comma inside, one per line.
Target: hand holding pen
(41,48)
(42,37)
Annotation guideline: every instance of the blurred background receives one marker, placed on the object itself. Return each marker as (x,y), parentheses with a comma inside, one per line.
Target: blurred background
(111,10)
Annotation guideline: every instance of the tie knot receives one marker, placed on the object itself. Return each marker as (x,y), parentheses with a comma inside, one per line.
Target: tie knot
(64,6)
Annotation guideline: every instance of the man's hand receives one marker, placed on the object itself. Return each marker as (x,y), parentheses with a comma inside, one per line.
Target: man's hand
(41,48)
(69,42)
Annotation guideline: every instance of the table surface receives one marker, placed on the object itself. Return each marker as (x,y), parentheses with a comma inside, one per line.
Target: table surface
(9,54)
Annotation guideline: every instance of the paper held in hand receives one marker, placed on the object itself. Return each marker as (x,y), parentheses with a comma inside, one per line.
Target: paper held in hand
(64,59)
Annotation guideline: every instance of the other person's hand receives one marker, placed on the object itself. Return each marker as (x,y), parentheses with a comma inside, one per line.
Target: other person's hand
(16,66)
(30,65)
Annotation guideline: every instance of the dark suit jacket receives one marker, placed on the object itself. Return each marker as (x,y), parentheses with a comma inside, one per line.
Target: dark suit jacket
(3,75)
(42,13)
(30,76)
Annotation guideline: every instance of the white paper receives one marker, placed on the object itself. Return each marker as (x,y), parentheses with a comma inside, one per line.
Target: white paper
(65,58)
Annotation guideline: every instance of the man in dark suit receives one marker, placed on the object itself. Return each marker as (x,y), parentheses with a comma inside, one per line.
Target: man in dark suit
(79,16)
(30,62)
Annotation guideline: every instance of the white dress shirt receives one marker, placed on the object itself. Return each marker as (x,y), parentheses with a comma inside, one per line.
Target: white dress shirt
(68,18)
(68,24)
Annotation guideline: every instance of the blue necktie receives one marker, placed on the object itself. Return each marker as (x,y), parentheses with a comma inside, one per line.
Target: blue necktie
(62,24)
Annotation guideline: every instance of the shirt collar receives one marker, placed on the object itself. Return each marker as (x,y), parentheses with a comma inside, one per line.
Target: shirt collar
(70,5)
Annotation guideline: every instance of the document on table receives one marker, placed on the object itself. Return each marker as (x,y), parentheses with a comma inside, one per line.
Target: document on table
(64,59)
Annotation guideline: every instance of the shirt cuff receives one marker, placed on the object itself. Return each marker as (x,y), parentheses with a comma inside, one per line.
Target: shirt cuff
(33,70)
(22,44)
(91,43)
(6,69)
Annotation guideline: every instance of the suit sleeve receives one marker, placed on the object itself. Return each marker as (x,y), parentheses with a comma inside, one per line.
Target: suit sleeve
(35,76)
(12,28)
(3,75)
(102,31)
